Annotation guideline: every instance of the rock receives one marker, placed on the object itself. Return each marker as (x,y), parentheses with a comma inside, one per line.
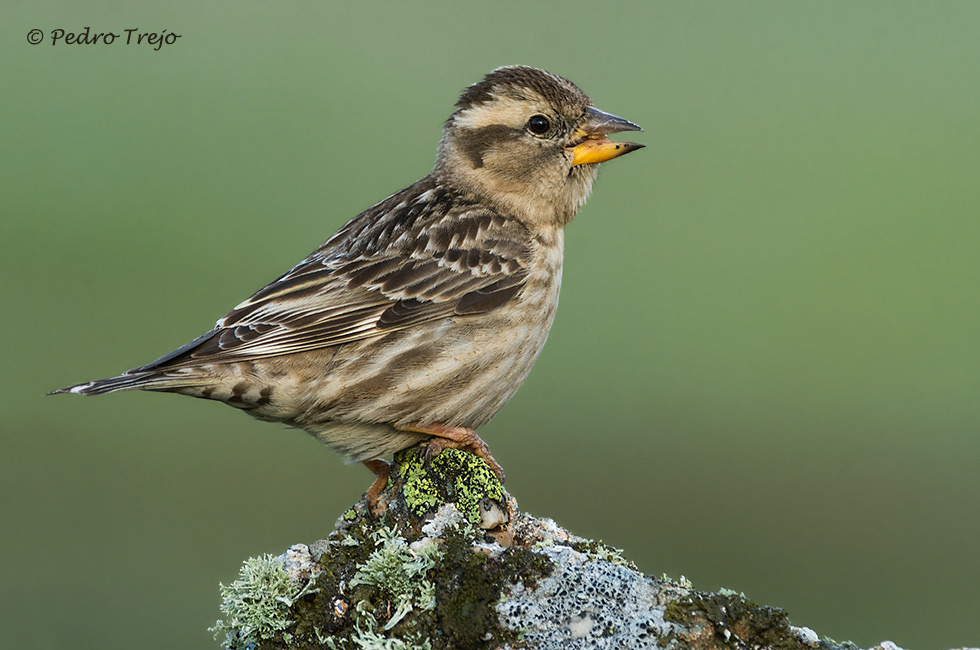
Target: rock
(453,564)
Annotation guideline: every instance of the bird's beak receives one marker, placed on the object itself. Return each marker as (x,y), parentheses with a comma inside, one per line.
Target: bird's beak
(595,148)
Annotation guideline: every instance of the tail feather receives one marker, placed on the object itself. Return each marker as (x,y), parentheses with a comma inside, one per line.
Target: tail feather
(131,381)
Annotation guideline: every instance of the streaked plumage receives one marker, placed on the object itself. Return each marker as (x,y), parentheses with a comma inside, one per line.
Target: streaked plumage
(427,310)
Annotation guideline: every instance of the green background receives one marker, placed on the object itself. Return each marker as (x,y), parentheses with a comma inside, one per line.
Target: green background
(763,375)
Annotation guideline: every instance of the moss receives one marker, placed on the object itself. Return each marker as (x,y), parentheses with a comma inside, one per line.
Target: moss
(470,585)
(727,619)
(464,603)
(453,476)
(525,566)
(730,620)
(330,613)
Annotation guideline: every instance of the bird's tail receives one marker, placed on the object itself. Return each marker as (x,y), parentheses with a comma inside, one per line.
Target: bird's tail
(133,380)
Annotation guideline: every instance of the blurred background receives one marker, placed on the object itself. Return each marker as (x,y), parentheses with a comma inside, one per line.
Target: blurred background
(763,375)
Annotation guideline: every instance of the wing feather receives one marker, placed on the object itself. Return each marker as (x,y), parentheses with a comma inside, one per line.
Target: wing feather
(421,255)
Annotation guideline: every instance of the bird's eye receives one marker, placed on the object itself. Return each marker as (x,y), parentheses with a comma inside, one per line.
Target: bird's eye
(538,124)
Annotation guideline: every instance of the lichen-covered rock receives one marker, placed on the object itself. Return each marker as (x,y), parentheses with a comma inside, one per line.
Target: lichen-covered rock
(453,564)
(587,603)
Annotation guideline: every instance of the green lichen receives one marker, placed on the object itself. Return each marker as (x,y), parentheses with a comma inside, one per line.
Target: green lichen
(420,491)
(599,550)
(257,605)
(682,583)
(366,636)
(453,476)
(728,593)
(368,640)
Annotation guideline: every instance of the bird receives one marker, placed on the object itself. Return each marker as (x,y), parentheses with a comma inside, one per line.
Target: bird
(422,316)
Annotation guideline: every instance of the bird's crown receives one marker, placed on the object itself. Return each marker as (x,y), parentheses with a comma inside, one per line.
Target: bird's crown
(519,82)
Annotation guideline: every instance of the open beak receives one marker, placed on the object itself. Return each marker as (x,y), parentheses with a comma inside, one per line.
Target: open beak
(596,148)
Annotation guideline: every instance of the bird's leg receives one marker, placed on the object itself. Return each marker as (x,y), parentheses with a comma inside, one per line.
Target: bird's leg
(444,437)
(380,469)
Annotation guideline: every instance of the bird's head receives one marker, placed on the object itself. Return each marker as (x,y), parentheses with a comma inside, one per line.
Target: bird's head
(530,143)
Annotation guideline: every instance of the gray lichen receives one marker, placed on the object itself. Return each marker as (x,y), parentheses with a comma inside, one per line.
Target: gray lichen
(257,605)
(589,604)
(400,571)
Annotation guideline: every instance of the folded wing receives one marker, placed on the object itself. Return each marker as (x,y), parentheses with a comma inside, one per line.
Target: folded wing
(399,265)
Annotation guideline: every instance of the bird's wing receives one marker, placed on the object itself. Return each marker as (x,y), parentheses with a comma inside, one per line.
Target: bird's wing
(378,274)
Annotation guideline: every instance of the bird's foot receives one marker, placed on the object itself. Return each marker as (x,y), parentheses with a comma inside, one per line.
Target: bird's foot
(381,469)
(444,437)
